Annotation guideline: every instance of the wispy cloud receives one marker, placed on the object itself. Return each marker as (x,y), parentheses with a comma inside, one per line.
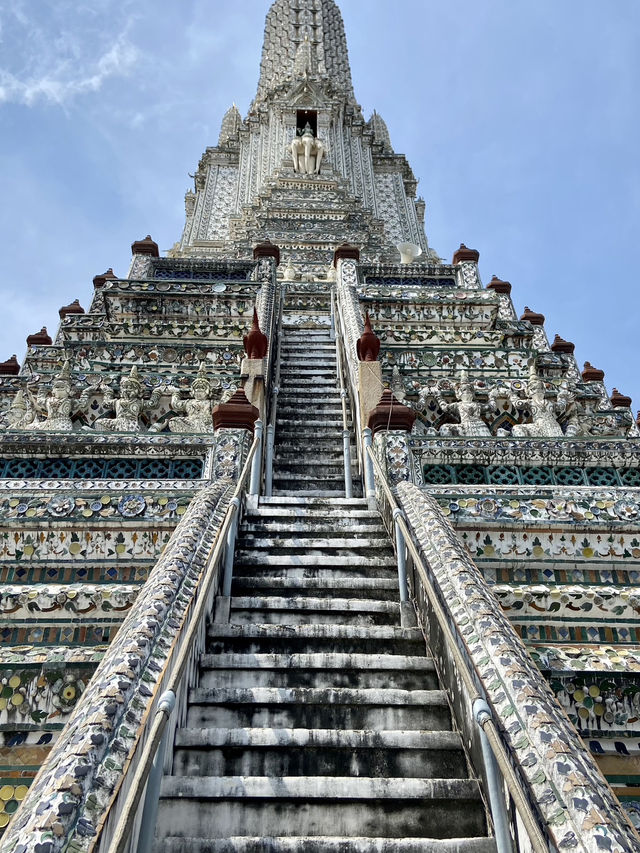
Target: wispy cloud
(38,68)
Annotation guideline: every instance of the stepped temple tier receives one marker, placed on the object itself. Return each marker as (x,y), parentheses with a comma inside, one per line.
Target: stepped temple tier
(309,541)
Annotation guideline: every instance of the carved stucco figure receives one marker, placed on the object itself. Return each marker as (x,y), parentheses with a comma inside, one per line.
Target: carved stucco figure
(128,407)
(467,409)
(543,410)
(197,408)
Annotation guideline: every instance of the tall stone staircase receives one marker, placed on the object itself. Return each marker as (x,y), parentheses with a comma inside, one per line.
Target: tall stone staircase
(318,723)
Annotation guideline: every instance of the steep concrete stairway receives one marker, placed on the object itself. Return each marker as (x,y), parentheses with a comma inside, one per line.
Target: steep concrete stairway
(309,454)
(318,723)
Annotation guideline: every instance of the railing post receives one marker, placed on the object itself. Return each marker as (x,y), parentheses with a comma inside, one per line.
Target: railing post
(231,546)
(482,714)
(256,465)
(332,333)
(268,465)
(150,809)
(346,451)
(369,482)
(401,553)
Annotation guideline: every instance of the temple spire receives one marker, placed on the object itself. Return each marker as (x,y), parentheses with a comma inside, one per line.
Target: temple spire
(305,34)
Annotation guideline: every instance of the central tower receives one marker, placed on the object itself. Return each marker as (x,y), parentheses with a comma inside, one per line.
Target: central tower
(303,169)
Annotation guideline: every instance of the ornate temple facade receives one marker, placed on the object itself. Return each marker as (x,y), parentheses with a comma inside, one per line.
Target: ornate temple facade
(125,434)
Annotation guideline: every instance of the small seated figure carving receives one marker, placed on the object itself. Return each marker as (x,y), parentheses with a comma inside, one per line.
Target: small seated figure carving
(468,410)
(129,406)
(59,406)
(307,152)
(21,411)
(197,408)
(543,411)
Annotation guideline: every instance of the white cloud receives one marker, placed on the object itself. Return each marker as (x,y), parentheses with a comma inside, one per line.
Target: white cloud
(85,52)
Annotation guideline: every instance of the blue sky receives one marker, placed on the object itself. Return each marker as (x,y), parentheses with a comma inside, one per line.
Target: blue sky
(520,119)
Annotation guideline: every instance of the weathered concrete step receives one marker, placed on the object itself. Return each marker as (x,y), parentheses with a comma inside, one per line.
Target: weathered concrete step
(320,345)
(308,544)
(326,527)
(331,669)
(294,409)
(304,503)
(300,610)
(291,639)
(294,483)
(300,423)
(325,844)
(328,574)
(217,807)
(307,391)
(249,558)
(312,493)
(312,512)
(295,358)
(330,458)
(294,460)
(304,473)
(318,752)
(352,587)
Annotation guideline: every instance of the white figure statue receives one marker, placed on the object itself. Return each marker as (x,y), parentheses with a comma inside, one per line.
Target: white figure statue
(197,408)
(21,411)
(59,406)
(307,152)
(468,410)
(543,410)
(128,407)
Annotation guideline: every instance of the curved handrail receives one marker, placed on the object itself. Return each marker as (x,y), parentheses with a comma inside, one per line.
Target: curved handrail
(121,836)
(464,667)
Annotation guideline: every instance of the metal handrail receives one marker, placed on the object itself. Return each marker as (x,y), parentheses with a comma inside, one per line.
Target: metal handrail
(343,367)
(134,794)
(484,719)
(273,399)
(346,432)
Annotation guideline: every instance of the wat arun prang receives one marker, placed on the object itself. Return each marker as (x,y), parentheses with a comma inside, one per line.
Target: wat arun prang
(108,432)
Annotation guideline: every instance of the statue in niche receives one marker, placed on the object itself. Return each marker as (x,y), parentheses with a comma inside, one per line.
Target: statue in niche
(307,152)
(129,406)
(468,410)
(59,406)
(197,408)
(543,411)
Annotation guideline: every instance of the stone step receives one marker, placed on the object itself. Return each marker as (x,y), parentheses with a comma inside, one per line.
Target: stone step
(306,503)
(312,547)
(329,527)
(300,610)
(318,752)
(325,573)
(300,475)
(290,458)
(303,639)
(298,406)
(336,492)
(323,558)
(307,391)
(326,670)
(325,510)
(311,708)
(384,588)
(311,488)
(325,425)
(219,807)
(292,377)
(324,844)
(293,345)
